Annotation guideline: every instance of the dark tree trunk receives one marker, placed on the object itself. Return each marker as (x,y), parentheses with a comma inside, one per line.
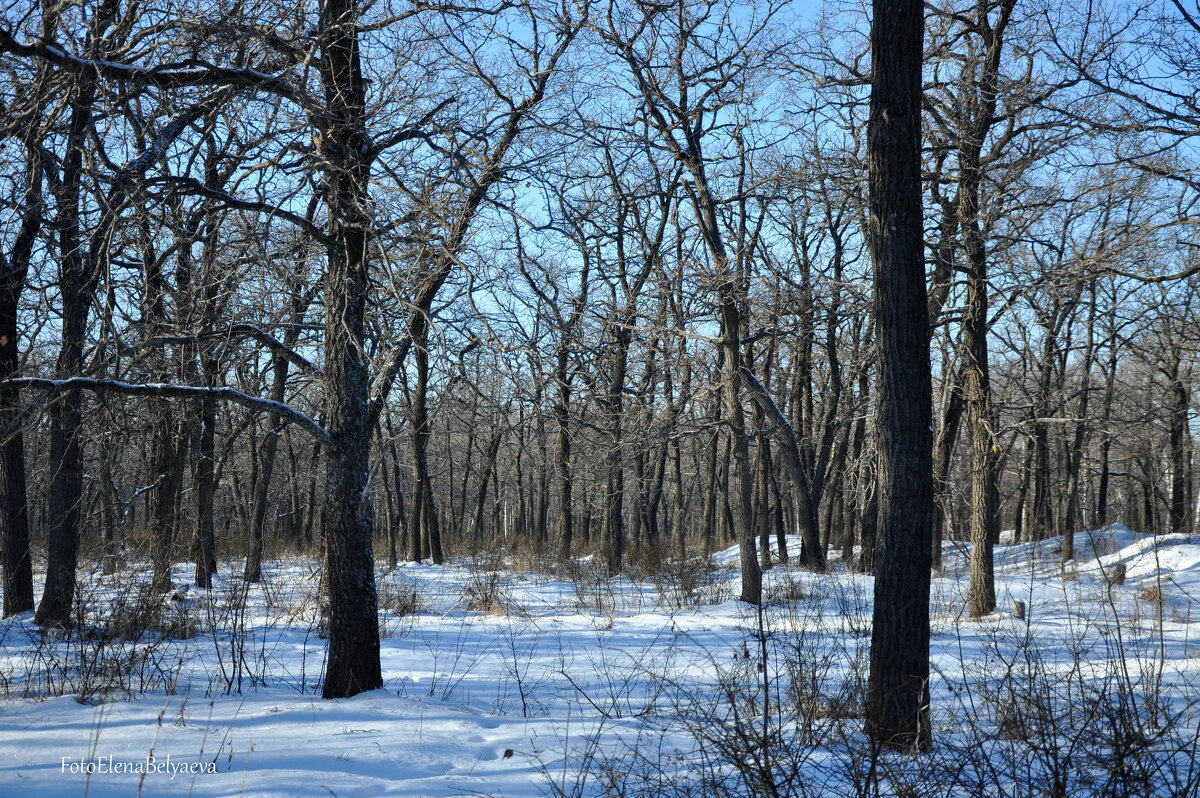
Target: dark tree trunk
(18,571)
(943,449)
(14,514)
(979,97)
(424,533)
(206,488)
(489,463)
(981,593)
(66,468)
(266,469)
(1110,380)
(897,701)
(731,383)
(167,460)
(708,524)
(353,662)
(614,500)
(1071,516)
(811,554)
(1177,406)
(1042,515)
(562,408)
(1022,494)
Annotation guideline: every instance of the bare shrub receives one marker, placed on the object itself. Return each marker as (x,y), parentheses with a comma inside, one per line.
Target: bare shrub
(787,590)
(593,588)
(487,592)
(1152,593)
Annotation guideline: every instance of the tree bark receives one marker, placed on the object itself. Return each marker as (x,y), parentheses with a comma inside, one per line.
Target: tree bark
(14,514)
(897,701)
(66,468)
(353,662)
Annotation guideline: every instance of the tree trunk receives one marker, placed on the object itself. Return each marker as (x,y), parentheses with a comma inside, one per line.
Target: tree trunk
(66,468)
(167,467)
(14,514)
(614,501)
(1177,406)
(897,701)
(206,488)
(353,663)
(562,419)
(266,469)
(1071,519)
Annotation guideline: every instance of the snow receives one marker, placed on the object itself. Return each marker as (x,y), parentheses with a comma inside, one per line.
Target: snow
(504,681)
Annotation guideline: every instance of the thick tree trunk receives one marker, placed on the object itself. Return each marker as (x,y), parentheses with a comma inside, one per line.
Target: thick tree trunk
(897,701)
(18,571)
(353,662)
(979,97)
(14,512)
(66,467)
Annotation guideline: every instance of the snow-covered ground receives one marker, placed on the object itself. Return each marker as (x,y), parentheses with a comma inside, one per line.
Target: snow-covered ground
(507,682)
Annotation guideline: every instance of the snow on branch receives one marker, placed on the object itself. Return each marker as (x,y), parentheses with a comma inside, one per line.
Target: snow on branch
(247,331)
(191,73)
(192,186)
(169,390)
(762,397)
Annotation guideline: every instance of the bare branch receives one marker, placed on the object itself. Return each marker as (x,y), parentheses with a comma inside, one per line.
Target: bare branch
(167,390)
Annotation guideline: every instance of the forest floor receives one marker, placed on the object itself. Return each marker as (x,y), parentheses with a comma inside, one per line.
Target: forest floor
(503,681)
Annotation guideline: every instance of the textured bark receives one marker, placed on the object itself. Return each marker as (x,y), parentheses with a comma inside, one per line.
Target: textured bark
(1071,517)
(979,97)
(252,572)
(981,592)
(18,572)
(562,419)
(14,511)
(1178,406)
(943,447)
(614,497)
(206,488)
(806,509)
(66,481)
(897,701)
(353,663)
(425,538)
(167,466)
